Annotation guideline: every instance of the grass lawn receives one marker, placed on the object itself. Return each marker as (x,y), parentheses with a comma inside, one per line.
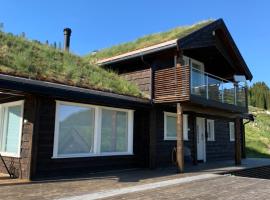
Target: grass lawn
(258,134)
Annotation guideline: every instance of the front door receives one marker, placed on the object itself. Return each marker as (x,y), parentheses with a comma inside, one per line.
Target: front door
(201,152)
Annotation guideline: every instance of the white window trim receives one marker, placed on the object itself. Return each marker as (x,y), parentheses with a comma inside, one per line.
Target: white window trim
(232,139)
(185,132)
(3,127)
(201,64)
(97,131)
(186,60)
(212,139)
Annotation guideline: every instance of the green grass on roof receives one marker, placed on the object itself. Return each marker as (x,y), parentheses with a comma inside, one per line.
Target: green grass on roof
(147,41)
(31,59)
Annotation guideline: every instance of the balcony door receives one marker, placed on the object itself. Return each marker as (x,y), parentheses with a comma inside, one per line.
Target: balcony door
(198,85)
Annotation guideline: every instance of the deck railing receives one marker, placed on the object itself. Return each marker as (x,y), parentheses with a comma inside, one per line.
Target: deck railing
(215,88)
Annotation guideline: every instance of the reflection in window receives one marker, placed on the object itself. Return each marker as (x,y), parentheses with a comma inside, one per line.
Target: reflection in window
(11,127)
(76,129)
(87,130)
(114,131)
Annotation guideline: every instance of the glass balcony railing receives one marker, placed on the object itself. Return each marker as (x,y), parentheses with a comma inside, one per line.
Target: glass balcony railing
(215,88)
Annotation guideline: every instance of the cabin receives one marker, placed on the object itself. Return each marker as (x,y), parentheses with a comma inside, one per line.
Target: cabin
(192,110)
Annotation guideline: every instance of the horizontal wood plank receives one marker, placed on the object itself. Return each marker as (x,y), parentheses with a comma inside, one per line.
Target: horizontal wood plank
(172,84)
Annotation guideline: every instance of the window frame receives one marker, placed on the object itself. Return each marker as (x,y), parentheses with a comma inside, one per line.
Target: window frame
(232,139)
(97,131)
(185,128)
(212,138)
(3,118)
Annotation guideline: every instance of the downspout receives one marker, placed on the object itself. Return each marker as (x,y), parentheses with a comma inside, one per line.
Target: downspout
(250,119)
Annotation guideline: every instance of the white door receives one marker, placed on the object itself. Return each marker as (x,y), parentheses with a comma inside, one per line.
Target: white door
(201,152)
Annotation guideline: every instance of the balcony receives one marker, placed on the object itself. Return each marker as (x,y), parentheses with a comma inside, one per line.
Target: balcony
(186,84)
(218,89)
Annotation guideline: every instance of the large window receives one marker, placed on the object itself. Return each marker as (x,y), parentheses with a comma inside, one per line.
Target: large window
(85,130)
(170,126)
(11,128)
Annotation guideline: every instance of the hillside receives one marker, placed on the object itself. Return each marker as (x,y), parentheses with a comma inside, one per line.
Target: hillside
(258,134)
(32,59)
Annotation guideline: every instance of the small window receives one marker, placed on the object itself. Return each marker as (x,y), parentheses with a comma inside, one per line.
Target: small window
(210,130)
(11,128)
(232,131)
(170,126)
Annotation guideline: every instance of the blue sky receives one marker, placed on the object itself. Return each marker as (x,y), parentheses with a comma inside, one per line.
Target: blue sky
(101,23)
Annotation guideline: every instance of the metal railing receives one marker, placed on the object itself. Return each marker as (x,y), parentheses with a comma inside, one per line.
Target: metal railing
(215,88)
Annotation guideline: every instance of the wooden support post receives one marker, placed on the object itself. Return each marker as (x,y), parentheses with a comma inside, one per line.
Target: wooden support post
(152,139)
(243,139)
(237,141)
(180,141)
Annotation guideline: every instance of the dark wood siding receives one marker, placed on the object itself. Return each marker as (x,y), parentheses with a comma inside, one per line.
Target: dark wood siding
(46,166)
(220,149)
(142,78)
(21,166)
(165,147)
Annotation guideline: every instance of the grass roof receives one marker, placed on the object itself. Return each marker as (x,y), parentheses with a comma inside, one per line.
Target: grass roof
(146,41)
(31,59)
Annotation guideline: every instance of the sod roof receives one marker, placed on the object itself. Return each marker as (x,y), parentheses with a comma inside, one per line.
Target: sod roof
(146,41)
(34,60)
(31,59)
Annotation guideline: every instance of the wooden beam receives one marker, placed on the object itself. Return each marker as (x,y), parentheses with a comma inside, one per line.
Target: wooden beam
(237,141)
(179,139)
(211,111)
(152,138)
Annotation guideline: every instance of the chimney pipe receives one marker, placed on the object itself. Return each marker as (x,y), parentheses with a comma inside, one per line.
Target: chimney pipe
(67,34)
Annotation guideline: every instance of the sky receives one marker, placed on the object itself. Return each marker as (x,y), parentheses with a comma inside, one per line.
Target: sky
(97,24)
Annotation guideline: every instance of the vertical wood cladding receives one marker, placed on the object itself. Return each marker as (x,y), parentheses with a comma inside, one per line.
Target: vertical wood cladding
(21,166)
(47,166)
(141,77)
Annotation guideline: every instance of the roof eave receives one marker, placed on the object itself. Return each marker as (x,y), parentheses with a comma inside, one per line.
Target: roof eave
(141,52)
(65,91)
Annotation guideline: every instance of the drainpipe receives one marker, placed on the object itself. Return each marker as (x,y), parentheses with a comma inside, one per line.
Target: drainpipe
(250,118)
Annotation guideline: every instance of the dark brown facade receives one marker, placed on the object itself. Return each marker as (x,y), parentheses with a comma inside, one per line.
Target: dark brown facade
(140,77)
(21,166)
(48,166)
(167,81)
